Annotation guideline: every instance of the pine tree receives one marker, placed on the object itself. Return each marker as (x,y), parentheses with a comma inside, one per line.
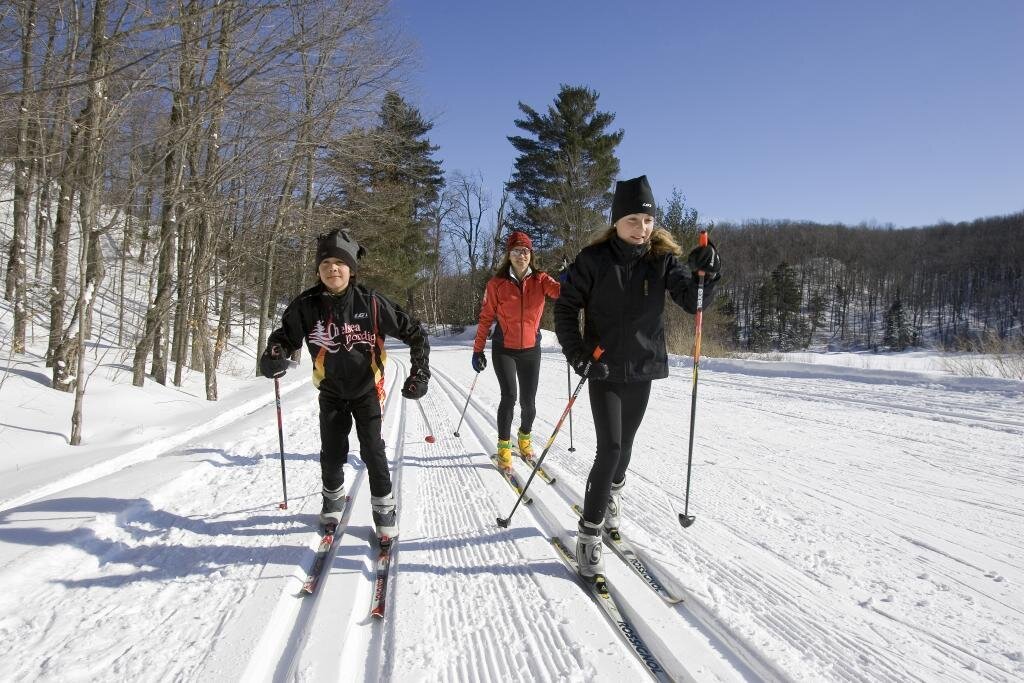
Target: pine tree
(564,171)
(899,334)
(388,204)
(678,218)
(791,329)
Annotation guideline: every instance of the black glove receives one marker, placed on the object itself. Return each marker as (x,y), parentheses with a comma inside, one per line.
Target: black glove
(706,259)
(479,361)
(597,370)
(274,362)
(415,386)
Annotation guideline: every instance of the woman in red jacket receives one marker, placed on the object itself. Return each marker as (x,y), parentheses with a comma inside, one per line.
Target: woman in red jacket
(515,297)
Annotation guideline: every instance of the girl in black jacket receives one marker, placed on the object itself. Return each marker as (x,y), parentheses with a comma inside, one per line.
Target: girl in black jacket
(620,282)
(344,325)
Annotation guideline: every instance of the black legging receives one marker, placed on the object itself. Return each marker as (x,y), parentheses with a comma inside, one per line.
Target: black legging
(508,365)
(617,409)
(335,424)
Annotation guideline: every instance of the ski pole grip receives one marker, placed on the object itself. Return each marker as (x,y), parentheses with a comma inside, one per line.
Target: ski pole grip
(598,352)
(702,240)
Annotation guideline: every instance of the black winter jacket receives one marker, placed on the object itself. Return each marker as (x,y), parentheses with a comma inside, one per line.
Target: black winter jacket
(621,290)
(345,336)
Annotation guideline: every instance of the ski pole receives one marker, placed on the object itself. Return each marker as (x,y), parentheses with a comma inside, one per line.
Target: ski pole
(503,521)
(685,519)
(461,417)
(280,439)
(562,275)
(568,389)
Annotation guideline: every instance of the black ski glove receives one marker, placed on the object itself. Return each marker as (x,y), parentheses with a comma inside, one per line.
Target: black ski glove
(597,370)
(706,259)
(479,361)
(274,362)
(415,386)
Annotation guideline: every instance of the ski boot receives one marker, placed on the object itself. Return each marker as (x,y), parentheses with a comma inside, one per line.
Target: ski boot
(525,445)
(385,517)
(505,454)
(613,512)
(588,551)
(334,505)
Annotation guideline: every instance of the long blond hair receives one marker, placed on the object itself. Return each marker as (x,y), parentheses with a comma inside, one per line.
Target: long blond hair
(662,241)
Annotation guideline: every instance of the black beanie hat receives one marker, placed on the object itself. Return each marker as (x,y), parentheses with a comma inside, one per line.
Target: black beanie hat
(340,245)
(632,196)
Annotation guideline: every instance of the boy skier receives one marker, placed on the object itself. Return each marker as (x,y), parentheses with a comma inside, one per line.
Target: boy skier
(344,325)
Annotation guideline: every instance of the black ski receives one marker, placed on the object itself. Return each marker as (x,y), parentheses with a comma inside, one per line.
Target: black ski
(608,601)
(625,550)
(330,533)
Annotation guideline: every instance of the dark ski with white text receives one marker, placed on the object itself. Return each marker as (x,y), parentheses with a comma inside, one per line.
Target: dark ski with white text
(608,601)
(625,550)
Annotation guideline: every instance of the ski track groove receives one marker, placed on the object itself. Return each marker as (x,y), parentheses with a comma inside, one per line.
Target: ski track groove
(452,390)
(462,543)
(834,660)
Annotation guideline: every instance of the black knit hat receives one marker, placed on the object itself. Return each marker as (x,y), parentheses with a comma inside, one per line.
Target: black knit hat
(632,196)
(340,245)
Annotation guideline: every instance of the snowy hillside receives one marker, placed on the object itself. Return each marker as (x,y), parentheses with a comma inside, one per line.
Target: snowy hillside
(849,527)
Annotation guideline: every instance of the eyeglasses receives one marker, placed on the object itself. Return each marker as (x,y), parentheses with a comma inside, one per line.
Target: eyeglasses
(519,251)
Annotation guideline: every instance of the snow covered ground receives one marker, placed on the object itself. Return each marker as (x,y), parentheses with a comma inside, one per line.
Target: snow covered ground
(853,523)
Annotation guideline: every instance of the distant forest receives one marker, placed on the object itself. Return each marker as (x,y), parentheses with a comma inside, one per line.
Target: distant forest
(789,285)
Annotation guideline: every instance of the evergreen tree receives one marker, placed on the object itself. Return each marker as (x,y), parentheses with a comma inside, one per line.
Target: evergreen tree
(678,218)
(791,328)
(389,199)
(564,171)
(763,320)
(899,334)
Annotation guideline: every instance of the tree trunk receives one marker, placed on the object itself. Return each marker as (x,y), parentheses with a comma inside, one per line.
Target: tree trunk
(16,287)
(90,258)
(268,268)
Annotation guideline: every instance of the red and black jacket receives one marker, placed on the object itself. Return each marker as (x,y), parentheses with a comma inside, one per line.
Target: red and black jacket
(345,335)
(518,307)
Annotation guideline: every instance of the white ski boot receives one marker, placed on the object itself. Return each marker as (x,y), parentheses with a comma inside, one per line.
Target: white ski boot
(588,550)
(385,516)
(334,505)
(613,513)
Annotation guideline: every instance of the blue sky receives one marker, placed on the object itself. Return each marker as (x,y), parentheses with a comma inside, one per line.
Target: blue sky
(900,111)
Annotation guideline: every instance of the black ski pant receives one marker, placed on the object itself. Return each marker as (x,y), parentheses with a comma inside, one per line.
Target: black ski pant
(336,416)
(617,409)
(510,364)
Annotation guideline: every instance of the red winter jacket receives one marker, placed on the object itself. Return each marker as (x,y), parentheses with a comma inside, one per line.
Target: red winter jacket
(518,307)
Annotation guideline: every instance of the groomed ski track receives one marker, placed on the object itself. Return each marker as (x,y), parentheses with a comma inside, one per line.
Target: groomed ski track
(194,547)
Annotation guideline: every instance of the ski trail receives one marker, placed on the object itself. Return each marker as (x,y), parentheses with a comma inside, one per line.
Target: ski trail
(645,610)
(195,527)
(469,584)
